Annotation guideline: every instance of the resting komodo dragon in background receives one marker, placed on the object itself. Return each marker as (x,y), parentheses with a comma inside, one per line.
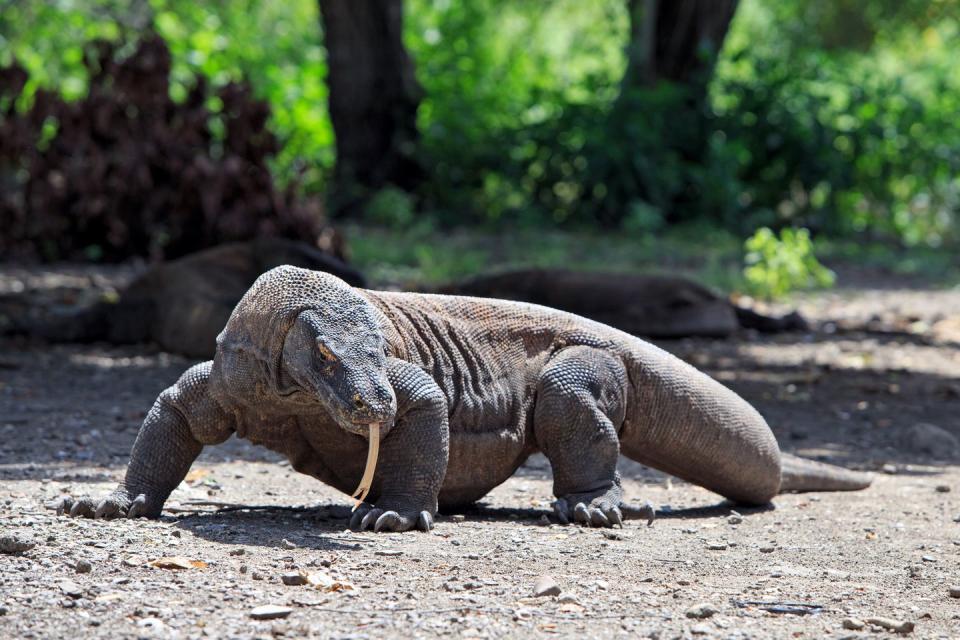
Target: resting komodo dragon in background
(183,304)
(460,392)
(653,305)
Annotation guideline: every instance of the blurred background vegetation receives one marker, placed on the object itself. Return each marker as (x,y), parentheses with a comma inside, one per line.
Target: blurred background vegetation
(583,118)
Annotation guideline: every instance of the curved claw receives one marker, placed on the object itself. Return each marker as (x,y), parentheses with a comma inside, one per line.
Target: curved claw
(83,508)
(108,508)
(371,519)
(61,505)
(358,514)
(645,511)
(560,509)
(598,518)
(616,517)
(425,521)
(580,514)
(648,510)
(392,521)
(138,507)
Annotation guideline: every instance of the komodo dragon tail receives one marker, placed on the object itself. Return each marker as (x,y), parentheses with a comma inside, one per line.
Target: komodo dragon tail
(800,474)
(687,424)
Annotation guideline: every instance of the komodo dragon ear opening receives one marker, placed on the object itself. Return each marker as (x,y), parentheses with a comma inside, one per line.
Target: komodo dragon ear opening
(373,452)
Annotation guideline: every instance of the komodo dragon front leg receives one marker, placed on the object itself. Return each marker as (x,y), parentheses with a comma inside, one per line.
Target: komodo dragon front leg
(580,405)
(183,419)
(414,455)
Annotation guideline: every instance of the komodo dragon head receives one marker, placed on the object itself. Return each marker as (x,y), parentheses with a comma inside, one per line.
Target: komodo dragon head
(318,342)
(339,361)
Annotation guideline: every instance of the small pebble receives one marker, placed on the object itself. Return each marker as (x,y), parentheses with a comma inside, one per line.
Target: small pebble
(854,624)
(237,552)
(701,611)
(390,553)
(458,518)
(286,544)
(943,488)
(928,558)
(15,544)
(270,612)
(256,575)
(767,549)
(546,586)
(955,592)
(735,519)
(717,546)
(83,566)
(71,589)
(293,579)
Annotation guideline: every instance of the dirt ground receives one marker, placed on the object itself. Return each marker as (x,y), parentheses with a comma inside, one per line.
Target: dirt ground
(884,357)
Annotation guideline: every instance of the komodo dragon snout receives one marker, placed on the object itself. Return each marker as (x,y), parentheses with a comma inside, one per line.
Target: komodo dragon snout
(346,371)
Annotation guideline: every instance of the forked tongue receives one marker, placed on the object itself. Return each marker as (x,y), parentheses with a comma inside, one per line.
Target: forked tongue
(372,453)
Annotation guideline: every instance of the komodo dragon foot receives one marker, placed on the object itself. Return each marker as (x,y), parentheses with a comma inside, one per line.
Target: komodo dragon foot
(595,508)
(370,517)
(600,511)
(118,504)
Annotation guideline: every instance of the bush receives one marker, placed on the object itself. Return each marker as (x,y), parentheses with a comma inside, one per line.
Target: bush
(844,140)
(775,266)
(127,171)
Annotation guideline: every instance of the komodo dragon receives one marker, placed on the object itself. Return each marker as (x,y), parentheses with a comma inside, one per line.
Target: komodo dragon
(652,305)
(456,392)
(183,304)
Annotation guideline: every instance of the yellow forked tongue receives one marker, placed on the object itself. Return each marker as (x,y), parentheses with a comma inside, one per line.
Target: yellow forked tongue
(372,453)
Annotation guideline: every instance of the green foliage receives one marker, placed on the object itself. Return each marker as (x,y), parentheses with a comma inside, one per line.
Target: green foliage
(845,140)
(775,266)
(498,77)
(835,115)
(276,46)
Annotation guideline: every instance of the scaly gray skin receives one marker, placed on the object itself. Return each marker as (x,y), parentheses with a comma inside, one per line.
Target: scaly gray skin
(465,389)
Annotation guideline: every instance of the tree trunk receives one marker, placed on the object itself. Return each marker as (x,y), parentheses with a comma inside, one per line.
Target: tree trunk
(373,100)
(675,40)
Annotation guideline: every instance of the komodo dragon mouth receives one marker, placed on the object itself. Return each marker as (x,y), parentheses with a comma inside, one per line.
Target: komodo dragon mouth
(373,452)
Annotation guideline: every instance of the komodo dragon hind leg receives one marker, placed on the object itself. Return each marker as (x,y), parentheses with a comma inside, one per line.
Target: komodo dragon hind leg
(580,397)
